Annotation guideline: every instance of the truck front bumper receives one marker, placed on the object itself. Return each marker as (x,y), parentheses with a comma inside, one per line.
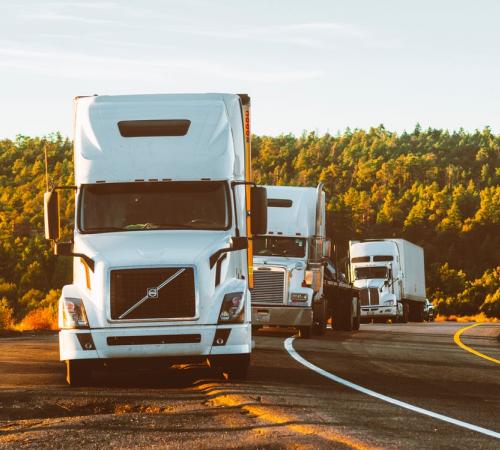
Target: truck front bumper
(155,342)
(378,311)
(286,316)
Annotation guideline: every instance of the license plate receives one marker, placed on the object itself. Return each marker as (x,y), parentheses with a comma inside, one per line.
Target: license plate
(263,316)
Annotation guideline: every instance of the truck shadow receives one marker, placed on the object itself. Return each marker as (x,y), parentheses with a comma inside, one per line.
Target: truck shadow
(174,377)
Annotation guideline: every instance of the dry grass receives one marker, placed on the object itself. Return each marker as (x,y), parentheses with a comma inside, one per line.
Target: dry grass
(480,318)
(39,319)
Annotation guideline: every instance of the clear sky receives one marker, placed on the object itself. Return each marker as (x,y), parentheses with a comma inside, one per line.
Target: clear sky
(319,65)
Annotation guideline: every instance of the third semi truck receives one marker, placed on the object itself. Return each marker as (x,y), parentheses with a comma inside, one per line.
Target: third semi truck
(391,277)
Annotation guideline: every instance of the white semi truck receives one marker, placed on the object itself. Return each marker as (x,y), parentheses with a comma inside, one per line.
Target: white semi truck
(391,277)
(165,208)
(290,287)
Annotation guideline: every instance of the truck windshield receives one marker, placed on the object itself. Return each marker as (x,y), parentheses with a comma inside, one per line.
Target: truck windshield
(364,273)
(154,205)
(279,246)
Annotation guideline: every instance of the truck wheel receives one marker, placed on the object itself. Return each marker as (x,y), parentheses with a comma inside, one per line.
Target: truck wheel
(78,372)
(236,366)
(404,317)
(416,312)
(337,317)
(305,332)
(420,312)
(357,319)
(348,316)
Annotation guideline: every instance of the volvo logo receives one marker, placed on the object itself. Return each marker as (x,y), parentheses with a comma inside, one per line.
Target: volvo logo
(152,292)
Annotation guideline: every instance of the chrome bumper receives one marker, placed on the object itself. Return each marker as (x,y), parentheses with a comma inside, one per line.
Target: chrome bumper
(287,316)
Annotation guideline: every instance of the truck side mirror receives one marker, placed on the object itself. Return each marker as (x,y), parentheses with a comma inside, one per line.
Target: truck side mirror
(259,210)
(51,215)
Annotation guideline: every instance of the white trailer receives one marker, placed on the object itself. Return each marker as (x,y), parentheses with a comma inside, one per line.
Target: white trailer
(288,261)
(162,259)
(391,276)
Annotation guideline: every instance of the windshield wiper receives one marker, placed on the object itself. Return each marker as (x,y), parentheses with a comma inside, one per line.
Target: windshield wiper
(156,226)
(97,229)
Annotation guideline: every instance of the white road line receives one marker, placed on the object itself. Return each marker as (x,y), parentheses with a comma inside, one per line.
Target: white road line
(293,353)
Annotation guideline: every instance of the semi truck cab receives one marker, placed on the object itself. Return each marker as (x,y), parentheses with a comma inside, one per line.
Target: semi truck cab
(391,279)
(164,212)
(288,261)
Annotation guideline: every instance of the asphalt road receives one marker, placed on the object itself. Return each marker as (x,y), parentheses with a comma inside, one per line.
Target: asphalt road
(284,404)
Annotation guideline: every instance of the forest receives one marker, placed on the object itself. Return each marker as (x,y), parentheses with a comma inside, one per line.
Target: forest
(436,188)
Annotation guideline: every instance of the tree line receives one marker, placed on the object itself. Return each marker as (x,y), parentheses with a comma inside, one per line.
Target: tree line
(436,188)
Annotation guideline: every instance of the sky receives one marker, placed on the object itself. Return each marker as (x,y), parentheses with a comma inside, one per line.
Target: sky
(308,65)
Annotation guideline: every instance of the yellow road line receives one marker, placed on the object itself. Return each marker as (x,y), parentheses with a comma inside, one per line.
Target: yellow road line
(457,340)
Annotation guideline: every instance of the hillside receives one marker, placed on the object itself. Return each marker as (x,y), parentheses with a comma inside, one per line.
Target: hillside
(438,189)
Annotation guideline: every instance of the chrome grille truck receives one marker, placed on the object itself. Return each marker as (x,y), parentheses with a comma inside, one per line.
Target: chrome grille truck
(165,207)
(289,261)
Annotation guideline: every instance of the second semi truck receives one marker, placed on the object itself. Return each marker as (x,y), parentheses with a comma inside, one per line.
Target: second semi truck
(294,284)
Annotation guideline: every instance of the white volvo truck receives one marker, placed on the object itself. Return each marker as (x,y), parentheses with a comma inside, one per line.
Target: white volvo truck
(164,210)
(288,261)
(391,277)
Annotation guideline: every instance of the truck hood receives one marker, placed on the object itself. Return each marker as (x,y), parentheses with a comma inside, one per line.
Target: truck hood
(369,283)
(288,263)
(152,247)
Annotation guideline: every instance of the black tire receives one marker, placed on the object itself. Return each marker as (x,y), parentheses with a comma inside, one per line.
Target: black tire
(337,317)
(78,372)
(404,317)
(357,319)
(305,332)
(416,312)
(343,318)
(235,366)
(348,316)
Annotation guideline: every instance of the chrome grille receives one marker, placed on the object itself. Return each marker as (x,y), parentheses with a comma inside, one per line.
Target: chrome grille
(369,296)
(373,296)
(268,286)
(363,297)
(157,299)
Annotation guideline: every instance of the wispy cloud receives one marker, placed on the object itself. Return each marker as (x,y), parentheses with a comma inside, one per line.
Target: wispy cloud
(83,66)
(86,5)
(54,16)
(314,34)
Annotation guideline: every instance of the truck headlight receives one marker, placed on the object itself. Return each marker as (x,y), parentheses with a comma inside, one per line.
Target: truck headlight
(298,297)
(389,303)
(73,313)
(231,310)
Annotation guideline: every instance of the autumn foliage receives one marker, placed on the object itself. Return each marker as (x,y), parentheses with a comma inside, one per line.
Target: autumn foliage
(436,188)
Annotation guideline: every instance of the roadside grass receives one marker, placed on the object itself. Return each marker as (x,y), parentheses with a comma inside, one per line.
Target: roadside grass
(480,318)
(43,318)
